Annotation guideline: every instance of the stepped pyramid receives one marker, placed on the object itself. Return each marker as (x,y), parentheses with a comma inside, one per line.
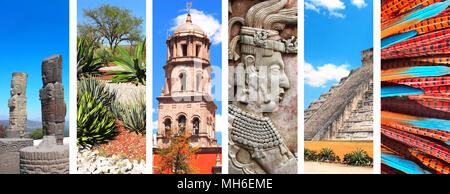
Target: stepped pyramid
(345,112)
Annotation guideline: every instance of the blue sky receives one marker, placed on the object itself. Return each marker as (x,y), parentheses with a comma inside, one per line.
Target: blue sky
(166,16)
(137,8)
(31,31)
(336,31)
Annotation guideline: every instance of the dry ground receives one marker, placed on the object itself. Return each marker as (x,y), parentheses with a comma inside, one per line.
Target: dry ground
(334,168)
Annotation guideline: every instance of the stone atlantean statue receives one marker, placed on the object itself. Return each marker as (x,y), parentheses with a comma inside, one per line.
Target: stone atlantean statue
(257,84)
(17,106)
(14,141)
(52,99)
(50,156)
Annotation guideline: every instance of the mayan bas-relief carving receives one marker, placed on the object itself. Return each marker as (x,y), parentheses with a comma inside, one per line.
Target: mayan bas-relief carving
(262,86)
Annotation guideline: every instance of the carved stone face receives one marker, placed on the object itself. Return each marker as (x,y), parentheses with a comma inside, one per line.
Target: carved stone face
(267,81)
(51,69)
(18,83)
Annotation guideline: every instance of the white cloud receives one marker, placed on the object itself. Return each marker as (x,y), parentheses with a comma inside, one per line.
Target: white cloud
(320,76)
(221,123)
(207,22)
(154,125)
(333,6)
(359,3)
(311,7)
(337,14)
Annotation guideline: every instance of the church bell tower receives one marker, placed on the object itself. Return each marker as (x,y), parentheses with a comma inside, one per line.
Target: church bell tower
(186,101)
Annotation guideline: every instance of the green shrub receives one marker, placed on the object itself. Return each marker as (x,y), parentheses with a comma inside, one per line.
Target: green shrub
(327,155)
(358,157)
(104,55)
(95,124)
(98,90)
(310,155)
(132,114)
(36,134)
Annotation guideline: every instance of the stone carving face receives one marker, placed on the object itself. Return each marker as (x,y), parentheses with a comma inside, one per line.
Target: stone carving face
(265,81)
(51,69)
(18,84)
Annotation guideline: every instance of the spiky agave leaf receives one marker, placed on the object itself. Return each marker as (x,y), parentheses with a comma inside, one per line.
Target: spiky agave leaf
(87,64)
(134,68)
(95,125)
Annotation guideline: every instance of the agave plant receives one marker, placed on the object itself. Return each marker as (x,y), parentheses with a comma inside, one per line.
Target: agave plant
(87,63)
(310,155)
(134,67)
(95,125)
(327,155)
(98,90)
(132,114)
(358,157)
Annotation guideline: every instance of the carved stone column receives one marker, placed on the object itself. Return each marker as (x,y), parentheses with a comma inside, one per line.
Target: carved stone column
(52,98)
(17,106)
(51,156)
(14,141)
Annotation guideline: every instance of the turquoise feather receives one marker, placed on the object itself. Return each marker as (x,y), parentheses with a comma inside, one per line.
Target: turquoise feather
(399,91)
(402,164)
(390,40)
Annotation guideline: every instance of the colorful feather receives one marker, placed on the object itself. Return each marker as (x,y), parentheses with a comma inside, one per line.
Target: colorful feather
(435,109)
(416,121)
(440,151)
(417,4)
(413,72)
(440,135)
(422,82)
(399,91)
(432,163)
(385,42)
(401,164)
(414,18)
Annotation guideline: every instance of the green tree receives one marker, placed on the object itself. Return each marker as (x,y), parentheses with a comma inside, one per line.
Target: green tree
(113,23)
(36,134)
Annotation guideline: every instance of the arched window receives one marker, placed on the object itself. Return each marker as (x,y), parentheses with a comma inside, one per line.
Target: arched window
(167,125)
(182,77)
(181,123)
(196,126)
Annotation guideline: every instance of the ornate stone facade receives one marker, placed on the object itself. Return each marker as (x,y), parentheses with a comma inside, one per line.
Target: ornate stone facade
(186,101)
(345,112)
(262,86)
